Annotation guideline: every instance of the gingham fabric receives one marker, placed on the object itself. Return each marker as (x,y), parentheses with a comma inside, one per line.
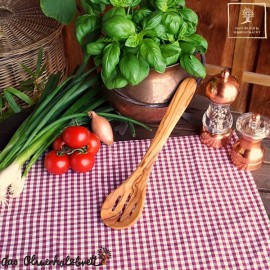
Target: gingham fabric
(200,213)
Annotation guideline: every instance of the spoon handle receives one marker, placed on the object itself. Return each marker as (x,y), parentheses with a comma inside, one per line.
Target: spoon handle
(178,105)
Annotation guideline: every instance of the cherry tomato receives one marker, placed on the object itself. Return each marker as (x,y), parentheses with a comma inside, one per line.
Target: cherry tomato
(93,144)
(76,136)
(56,164)
(82,162)
(58,143)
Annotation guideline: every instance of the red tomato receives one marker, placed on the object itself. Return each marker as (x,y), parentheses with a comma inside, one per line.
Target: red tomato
(76,136)
(94,143)
(58,143)
(56,164)
(82,162)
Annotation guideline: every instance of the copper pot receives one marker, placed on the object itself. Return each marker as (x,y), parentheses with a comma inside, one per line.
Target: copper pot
(157,87)
(148,101)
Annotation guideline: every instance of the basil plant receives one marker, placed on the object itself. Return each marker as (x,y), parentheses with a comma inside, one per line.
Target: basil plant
(128,38)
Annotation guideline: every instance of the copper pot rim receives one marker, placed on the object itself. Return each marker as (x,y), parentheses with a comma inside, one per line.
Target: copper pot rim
(138,103)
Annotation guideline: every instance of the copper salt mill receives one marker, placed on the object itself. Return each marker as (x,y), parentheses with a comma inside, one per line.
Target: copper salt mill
(221,90)
(247,152)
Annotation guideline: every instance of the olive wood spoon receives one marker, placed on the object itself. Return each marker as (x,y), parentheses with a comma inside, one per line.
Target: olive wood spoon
(124,205)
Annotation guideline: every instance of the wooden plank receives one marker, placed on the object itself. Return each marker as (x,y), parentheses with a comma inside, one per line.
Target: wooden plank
(213,69)
(214,28)
(267,2)
(248,77)
(245,54)
(260,98)
(256,78)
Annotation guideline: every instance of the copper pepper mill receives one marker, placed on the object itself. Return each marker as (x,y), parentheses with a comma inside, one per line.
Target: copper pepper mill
(247,152)
(222,90)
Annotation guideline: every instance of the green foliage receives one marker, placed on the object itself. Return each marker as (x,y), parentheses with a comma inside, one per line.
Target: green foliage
(127,38)
(13,99)
(118,27)
(134,68)
(61,10)
(85,25)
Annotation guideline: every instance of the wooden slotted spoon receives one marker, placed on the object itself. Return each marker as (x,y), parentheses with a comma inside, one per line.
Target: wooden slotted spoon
(124,205)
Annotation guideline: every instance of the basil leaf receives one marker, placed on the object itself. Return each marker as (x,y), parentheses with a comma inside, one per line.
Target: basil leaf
(147,4)
(92,8)
(121,3)
(95,48)
(131,50)
(191,28)
(192,65)
(86,6)
(150,51)
(108,80)
(135,3)
(171,53)
(134,69)
(189,15)
(114,80)
(172,22)
(120,81)
(187,48)
(111,54)
(62,11)
(161,32)
(106,2)
(186,29)
(176,3)
(133,40)
(162,5)
(98,60)
(183,31)
(148,33)
(118,27)
(85,25)
(198,41)
(140,14)
(112,12)
(153,20)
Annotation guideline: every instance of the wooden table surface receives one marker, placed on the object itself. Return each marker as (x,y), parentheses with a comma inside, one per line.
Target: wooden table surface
(189,124)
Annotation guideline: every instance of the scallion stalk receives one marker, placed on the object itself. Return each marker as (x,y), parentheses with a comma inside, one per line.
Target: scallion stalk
(65,105)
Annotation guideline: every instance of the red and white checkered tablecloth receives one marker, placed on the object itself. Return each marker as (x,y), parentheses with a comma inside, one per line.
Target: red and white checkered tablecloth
(200,213)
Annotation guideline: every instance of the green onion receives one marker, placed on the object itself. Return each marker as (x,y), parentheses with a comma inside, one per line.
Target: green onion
(65,105)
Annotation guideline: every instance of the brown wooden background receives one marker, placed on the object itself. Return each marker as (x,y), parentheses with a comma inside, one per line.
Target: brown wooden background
(248,59)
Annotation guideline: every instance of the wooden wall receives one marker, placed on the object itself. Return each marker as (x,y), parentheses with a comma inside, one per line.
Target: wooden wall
(248,59)
(243,56)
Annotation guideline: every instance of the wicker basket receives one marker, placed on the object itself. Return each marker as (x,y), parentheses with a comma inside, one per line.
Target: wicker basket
(24,29)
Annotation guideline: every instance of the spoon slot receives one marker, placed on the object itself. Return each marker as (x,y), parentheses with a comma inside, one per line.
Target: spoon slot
(124,208)
(116,203)
(133,209)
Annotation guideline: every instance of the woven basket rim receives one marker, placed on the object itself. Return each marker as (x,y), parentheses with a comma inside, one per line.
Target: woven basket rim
(38,44)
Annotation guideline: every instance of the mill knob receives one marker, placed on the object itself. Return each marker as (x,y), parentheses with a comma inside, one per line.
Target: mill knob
(222,88)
